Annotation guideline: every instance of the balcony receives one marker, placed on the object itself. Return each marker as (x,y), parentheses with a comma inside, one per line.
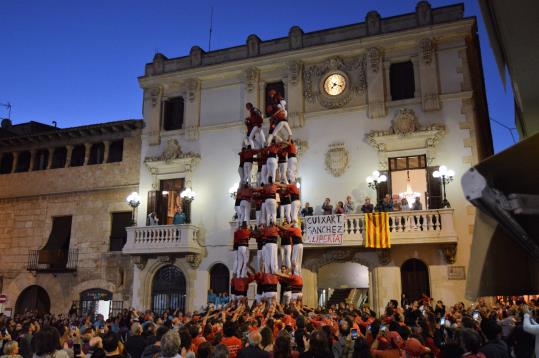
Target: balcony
(406,228)
(162,240)
(52,261)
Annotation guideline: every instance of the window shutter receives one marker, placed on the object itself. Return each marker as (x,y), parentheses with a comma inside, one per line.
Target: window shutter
(434,187)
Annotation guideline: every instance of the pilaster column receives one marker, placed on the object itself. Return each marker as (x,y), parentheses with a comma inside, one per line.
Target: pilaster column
(417,82)
(15,160)
(152,114)
(49,159)
(375,84)
(106,151)
(294,86)
(428,75)
(87,148)
(32,159)
(69,152)
(252,88)
(192,108)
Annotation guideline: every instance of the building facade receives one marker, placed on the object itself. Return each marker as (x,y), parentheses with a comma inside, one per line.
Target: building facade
(413,99)
(62,199)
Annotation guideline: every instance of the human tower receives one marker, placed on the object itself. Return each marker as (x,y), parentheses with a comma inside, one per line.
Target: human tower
(273,188)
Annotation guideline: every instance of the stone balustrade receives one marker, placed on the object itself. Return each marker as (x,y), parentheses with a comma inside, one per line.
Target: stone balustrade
(162,239)
(406,227)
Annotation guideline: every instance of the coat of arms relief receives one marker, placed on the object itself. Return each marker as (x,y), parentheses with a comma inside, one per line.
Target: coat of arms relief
(337,159)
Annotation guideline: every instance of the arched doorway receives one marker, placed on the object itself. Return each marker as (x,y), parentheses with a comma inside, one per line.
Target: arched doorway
(90,300)
(33,298)
(219,278)
(340,282)
(168,289)
(415,279)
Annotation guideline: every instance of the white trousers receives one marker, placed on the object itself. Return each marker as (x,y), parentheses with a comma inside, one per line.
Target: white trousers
(292,169)
(296,296)
(287,296)
(259,259)
(257,133)
(263,175)
(235,260)
(243,261)
(247,169)
(245,210)
(271,211)
(241,172)
(282,173)
(271,169)
(286,251)
(294,208)
(270,297)
(284,212)
(258,217)
(269,253)
(278,127)
(263,213)
(297,258)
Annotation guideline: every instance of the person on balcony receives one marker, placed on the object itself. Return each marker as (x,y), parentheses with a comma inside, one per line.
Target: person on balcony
(417,204)
(153,220)
(404,205)
(349,206)
(179,216)
(367,206)
(339,210)
(386,204)
(307,210)
(327,208)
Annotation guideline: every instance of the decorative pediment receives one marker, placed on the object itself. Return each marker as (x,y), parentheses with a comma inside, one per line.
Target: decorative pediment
(405,133)
(172,160)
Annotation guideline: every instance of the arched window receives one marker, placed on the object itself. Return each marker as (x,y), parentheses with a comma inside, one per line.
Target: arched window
(168,289)
(219,278)
(33,298)
(415,279)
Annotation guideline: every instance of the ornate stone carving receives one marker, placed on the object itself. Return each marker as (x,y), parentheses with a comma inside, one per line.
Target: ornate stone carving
(374,58)
(140,262)
(295,36)
(384,256)
(426,47)
(449,252)
(155,93)
(405,122)
(196,56)
(159,63)
(353,69)
(191,89)
(172,151)
(253,45)
(423,12)
(431,102)
(337,159)
(296,119)
(192,132)
(294,72)
(193,260)
(165,259)
(251,78)
(373,23)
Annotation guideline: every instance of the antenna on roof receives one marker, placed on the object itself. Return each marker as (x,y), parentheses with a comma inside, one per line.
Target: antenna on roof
(211,28)
(8,107)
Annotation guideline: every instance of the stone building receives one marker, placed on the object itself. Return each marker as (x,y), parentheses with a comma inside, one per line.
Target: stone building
(62,227)
(411,99)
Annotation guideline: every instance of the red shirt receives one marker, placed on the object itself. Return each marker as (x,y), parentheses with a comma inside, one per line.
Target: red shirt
(244,193)
(292,149)
(241,236)
(294,231)
(233,344)
(271,231)
(270,190)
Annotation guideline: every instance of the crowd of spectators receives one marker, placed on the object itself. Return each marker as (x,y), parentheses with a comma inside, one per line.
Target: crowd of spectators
(417,329)
(387,203)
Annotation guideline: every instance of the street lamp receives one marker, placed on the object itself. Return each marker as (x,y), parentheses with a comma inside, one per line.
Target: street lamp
(374,181)
(133,200)
(446,176)
(187,196)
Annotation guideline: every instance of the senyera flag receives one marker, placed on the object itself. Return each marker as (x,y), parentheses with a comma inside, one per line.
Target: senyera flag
(377,230)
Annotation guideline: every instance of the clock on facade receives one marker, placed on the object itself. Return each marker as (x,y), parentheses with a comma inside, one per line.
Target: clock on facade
(334,84)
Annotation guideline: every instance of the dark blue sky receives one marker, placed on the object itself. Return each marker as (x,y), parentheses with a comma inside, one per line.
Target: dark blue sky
(77,61)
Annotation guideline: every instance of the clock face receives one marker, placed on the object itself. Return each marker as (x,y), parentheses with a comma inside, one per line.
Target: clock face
(335,84)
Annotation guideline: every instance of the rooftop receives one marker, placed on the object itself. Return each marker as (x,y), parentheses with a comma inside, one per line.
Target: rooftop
(373,25)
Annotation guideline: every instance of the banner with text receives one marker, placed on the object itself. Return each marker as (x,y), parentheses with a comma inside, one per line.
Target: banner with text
(324,229)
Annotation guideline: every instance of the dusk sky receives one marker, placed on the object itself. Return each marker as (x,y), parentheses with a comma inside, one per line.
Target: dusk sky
(77,62)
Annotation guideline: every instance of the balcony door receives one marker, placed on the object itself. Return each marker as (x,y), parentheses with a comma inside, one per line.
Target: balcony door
(415,279)
(165,200)
(408,179)
(168,290)
(33,298)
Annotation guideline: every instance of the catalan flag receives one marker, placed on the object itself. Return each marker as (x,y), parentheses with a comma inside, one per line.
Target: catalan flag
(377,230)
